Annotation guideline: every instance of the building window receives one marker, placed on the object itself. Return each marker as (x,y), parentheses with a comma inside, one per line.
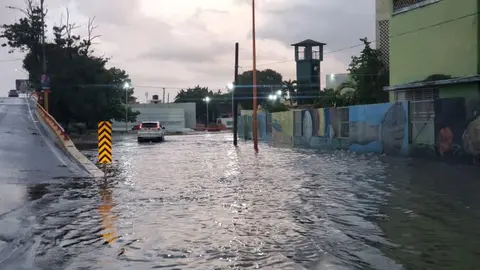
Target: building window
(301,53)
(421,109)
(415,95)
(400,6)
(421,102)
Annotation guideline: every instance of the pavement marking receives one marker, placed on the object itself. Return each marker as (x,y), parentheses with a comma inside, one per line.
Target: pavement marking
(10,104)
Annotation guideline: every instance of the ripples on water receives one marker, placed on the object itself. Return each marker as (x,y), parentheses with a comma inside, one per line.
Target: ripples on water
(195,202)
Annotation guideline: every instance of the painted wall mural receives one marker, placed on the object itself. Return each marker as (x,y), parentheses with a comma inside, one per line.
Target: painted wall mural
(379,128)
(282,128)
(457,130)
(322,128)
(310,124)
(262,126)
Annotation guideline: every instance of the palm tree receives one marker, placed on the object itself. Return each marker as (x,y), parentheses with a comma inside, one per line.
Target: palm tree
(290,86)
(346,87)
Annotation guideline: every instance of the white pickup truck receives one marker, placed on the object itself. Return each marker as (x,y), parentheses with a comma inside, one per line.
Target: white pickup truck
(151,131)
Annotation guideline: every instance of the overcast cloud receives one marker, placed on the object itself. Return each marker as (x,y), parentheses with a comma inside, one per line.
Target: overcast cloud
(182,43)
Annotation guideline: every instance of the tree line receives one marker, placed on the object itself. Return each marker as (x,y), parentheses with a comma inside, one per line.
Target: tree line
(82,88)
(368,75)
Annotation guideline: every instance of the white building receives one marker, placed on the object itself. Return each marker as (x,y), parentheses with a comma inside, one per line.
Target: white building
(174,116)
(333,81)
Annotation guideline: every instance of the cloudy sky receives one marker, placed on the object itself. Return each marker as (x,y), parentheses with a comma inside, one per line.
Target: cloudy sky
(182,43)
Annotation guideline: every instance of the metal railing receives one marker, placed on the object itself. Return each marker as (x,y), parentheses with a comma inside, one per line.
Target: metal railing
(55,124)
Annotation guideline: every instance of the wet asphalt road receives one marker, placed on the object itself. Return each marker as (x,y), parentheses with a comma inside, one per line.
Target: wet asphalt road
(195,202)
(27,162)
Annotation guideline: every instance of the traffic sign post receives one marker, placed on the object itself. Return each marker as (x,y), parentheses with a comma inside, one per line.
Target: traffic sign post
(45,85)
(45,82)
(105,144)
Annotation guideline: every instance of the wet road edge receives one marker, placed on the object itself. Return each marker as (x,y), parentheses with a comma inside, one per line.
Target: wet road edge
(67,146)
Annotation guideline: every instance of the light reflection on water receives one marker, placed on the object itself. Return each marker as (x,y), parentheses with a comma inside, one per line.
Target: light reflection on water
(195,202)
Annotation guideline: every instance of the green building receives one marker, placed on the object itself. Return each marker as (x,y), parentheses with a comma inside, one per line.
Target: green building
(433,52)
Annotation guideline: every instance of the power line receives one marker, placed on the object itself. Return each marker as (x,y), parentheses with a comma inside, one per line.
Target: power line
(391,36)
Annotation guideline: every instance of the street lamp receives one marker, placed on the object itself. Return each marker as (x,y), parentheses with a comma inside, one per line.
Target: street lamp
(207,100)
(126,86)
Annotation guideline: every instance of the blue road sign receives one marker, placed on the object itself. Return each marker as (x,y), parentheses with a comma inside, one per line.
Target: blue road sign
(45,82)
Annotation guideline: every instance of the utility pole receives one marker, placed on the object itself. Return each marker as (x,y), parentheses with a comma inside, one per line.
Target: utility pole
(208,120)
(254,81)
(44,53)
(45,80)
(234,98)
(163,98)
(168,98)
(126,109)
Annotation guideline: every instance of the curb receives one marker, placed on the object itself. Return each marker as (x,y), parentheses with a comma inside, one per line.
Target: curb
(64,141)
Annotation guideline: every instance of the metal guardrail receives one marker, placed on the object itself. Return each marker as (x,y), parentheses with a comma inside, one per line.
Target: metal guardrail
(55,125)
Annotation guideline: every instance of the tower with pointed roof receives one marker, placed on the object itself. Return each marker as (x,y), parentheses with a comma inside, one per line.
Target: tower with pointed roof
(308,55)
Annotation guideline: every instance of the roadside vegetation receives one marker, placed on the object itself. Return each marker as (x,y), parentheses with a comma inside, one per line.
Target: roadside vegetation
(85,89)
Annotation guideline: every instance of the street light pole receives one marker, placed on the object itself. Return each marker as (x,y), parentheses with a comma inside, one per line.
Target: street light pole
(207,100)
(126,86)
(126,110)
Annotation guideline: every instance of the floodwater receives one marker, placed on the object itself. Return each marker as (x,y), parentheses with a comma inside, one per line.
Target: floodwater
(196,202)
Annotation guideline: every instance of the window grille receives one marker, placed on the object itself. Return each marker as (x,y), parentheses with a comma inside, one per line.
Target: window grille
(422,109)
(384,41)
(405,5)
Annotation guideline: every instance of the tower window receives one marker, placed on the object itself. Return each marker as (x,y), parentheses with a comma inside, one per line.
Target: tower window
(301,53)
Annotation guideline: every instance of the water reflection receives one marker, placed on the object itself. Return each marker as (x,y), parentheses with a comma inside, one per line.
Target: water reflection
(195,202)
(433,216)
(105,210)
(36,192)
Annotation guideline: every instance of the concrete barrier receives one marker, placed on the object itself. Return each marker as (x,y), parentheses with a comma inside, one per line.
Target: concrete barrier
(58,135)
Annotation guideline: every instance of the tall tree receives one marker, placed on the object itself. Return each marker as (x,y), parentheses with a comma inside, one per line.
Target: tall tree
(219,103)
(83,88)
(369,75)
(268,81)
(197,95)
(334,98)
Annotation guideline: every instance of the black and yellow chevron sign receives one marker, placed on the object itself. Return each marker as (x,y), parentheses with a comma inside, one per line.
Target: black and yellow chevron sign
(105,142)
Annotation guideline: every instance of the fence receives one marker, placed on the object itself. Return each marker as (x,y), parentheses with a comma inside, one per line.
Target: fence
(452,129)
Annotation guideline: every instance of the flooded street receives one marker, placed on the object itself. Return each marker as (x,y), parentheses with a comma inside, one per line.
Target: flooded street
(196,202)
